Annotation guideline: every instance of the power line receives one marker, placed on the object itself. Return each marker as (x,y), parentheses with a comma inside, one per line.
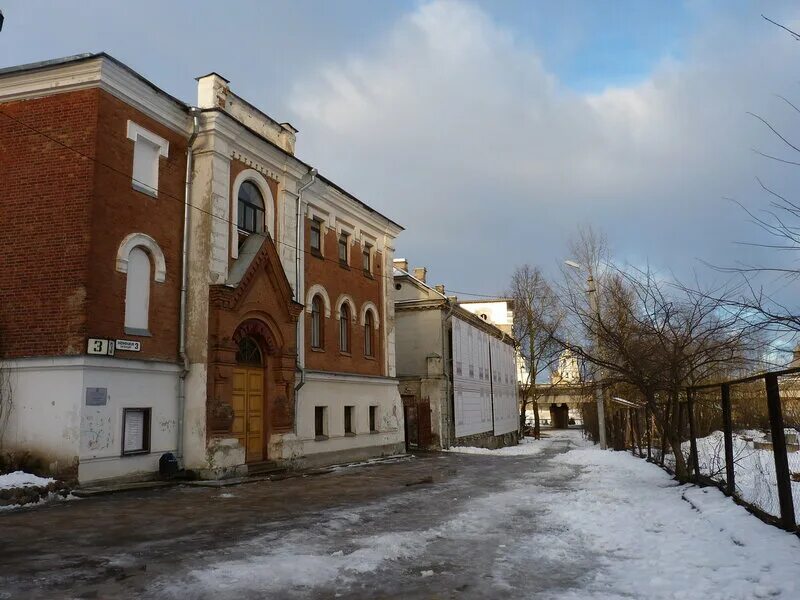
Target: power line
(162,193)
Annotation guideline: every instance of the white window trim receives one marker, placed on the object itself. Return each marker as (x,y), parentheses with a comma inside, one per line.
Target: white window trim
(134,132)
(362,319)
(314,212)
(269,205)
(133,240)
(341,300)
(313,291)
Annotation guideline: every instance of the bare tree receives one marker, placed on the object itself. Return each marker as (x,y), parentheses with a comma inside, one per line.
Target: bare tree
(659,338)
(780,221)
(537,320)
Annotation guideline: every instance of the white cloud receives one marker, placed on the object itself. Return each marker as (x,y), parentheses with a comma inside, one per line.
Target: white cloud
(458,131)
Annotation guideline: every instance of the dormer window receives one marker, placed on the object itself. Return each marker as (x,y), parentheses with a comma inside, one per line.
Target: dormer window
(251,208)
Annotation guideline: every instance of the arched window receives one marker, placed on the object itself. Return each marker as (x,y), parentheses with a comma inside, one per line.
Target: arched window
(248,353)
(369,329)
(344,328)
(250,208)
(317,332)
(137,292)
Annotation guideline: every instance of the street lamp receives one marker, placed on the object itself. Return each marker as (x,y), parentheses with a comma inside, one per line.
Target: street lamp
(595,308)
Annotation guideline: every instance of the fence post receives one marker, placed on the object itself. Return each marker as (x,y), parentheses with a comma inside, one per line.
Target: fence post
(668,418)
(679,429)
(727,428)
(633,432)
(693,435)
(779,450)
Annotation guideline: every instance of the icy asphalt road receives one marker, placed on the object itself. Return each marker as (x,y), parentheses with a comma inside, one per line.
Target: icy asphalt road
(551,523)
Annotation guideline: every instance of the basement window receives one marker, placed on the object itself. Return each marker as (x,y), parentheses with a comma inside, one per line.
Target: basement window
(135,431)
(147,149)
(349,411)
(321,422)
(373,419)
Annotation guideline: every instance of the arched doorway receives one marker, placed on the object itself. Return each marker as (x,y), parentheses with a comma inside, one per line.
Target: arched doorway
(248,399)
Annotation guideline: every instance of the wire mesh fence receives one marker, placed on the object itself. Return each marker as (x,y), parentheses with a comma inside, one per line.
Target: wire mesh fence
(742,435)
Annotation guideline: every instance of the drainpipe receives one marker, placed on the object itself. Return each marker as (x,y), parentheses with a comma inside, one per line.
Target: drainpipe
(448,358)
(297,250)
(185,282)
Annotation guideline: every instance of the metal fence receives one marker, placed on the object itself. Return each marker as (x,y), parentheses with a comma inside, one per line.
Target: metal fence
(741,435)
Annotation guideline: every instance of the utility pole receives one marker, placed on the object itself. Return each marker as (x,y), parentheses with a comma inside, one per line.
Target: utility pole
(594,307)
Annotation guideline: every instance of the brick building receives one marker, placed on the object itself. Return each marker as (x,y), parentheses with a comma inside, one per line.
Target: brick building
(252,325)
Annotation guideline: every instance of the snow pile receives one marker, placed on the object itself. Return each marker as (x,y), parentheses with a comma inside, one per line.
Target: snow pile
(19,479)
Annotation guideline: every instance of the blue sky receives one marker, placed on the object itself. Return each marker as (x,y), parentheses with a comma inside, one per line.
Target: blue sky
(491,130)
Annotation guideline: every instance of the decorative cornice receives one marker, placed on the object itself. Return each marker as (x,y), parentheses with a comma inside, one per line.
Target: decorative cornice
(100,71)
(256,166)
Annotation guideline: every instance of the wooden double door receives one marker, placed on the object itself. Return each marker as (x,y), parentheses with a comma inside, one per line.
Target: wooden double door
(417,417)
(248,411)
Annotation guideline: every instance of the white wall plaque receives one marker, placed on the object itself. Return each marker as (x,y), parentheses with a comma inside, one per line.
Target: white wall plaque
(129,345)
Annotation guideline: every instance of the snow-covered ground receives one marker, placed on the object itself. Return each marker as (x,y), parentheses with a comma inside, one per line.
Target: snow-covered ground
(656,539)
(23,479)
(581,524)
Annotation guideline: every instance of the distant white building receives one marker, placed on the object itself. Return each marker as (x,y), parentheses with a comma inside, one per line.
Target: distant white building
(457,368)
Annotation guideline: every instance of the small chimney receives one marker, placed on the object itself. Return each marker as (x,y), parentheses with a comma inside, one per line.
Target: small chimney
(795,357)
(439,288)
(420,273)
(212,91)
(401,263)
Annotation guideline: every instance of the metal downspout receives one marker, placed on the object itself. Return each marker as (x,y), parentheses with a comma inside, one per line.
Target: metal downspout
(297,250)
(185,282)
(448,374)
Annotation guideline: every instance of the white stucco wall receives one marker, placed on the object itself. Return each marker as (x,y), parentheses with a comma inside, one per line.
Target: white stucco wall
(46,417)
(335,391)
(130,384)
(51,418)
